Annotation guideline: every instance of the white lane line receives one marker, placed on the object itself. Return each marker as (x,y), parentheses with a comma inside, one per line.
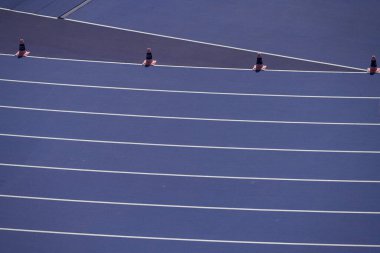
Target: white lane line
(216,45)
(191,146)
(189,175)
(189,118)
(242,209)
(316,71)
(267,70)
(28,13)
(76,8)
(179,91)
(74,60)
(189,239)
(191,67)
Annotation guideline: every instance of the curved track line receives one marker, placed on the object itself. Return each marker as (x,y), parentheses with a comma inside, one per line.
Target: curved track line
(28,13)
(192,67)
(191,146)
(189,118)
(180,91)
(241,209)
(191,175)
(187,239)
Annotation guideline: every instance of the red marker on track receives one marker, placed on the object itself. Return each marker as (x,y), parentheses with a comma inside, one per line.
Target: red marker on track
(373,69)
(259,64)
(22,49)
(149,58)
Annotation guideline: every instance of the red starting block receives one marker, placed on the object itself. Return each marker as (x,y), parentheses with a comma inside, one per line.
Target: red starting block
(259,64)
(20,54)
(22,49)
(373,70)
(149,58)
(148,63)
(259,67)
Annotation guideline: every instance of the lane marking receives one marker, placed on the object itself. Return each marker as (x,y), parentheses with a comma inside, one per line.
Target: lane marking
(76,8)
(190,67)
(189,175)
(242,209)
(315,71)
(191,146)
(180,91)
(188,239)
(28,13)
(188,118)
(216,45)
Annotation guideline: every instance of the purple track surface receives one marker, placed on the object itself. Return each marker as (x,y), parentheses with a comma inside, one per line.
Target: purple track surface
(53,8)
(268,140)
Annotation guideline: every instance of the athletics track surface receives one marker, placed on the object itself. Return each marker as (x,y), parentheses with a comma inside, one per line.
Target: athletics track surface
(184,159)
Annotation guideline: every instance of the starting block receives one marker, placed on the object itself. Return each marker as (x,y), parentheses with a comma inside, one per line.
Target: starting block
(148,63)
(373,70)
(259,67)
(22,49)
(20,54)
(259,64)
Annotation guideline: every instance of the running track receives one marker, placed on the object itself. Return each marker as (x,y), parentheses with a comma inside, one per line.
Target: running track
(111,157)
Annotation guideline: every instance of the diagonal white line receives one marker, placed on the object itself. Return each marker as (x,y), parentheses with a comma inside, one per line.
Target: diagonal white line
(191,146)
(315,71)
(186,206)
(190,175)
(188,239)
(190,118)
(191,67)
(181,91)
(27,13)
(76,8)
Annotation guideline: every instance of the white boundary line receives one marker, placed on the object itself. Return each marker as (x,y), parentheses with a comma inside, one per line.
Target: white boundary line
(191,67)
(315,71)
(190,175)
(191,146)
(193,41)
(186,207)
(76,8)
(75,60)
(188,118)
(181,91)
(28,13)
(189,239)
